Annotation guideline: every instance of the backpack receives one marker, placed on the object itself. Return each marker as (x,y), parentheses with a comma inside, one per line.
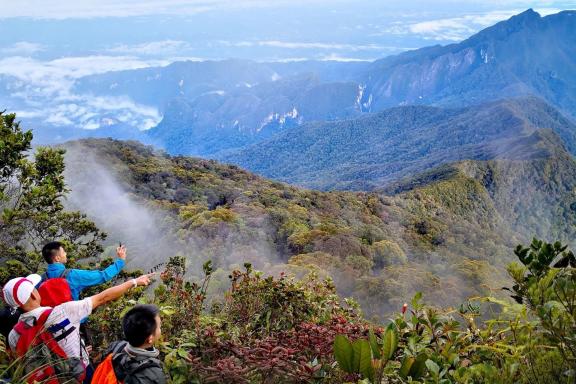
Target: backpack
(105,374)
(55,291)
(52,291)
(44,360)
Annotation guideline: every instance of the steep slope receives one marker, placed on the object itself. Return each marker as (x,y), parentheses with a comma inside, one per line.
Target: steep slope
(221,120)
(370,151)
(533,197)
(213,105)
(449,233)
(525,55)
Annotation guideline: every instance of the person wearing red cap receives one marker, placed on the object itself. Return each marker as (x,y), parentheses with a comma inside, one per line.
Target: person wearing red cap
(63,321)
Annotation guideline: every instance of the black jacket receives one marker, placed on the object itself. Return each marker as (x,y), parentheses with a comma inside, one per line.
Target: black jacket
(8,319)
(134,365)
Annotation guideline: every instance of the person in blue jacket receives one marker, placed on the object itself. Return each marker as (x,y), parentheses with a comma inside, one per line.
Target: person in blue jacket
(79,279)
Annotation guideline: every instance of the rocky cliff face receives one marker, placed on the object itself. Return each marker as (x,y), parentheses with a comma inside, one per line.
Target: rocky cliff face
(526,54)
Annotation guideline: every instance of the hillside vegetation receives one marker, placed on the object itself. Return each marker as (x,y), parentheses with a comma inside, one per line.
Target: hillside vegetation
(448,232)
(372,151)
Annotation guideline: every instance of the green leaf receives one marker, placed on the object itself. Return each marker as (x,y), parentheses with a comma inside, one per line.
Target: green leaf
(183,353)
(433,367)
(406,366)
(344,353)
(416,299)
(167,310)
(390,342)
(417,369)
(363,358)
(374,345)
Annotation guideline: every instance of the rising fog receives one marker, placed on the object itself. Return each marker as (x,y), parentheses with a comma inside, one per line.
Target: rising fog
(151,234)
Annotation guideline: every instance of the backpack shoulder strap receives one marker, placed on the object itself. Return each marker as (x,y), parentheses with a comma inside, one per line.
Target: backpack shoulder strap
(119,347)
(28,334)
(22,326)
(148,363)
(43,317)
(45,277)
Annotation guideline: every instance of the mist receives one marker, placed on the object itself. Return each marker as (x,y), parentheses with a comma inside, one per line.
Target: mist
(106,201)
(153,234)
(455,255)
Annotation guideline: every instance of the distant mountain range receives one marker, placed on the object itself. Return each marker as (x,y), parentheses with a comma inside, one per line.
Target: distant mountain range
(209,107)
(371,151)
(191,79)
(213,106)
(525,55)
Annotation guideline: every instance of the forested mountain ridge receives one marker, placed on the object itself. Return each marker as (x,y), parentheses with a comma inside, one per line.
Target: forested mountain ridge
(447,232)
(371,151)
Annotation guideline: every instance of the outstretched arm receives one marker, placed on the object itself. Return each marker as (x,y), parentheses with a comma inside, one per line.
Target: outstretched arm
(81,278)
(118,290)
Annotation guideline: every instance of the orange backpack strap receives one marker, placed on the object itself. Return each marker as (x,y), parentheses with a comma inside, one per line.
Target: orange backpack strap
(104,374)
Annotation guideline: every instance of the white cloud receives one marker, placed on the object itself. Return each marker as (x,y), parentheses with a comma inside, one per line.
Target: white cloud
(335,57)
(58,118)
(25,48)
(26,68)
(29,114)
(62,9)
(154,48)
(288,60)
(54,79)
(548,11)
(46,88)
(92,112)
(459,28)
(310,45)
(445,29)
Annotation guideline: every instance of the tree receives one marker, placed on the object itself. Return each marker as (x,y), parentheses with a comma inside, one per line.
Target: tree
(32,213)
(546,283)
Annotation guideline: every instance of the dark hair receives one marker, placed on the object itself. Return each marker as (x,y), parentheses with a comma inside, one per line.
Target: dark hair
(50,250)
(139,323)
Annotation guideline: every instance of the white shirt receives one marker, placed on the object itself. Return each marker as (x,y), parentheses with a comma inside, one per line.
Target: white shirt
(74,311)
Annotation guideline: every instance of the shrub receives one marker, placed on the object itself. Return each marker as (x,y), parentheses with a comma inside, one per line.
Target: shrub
(429,346)
(387,253)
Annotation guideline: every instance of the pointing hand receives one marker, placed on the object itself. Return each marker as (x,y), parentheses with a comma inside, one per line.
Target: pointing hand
(121,252)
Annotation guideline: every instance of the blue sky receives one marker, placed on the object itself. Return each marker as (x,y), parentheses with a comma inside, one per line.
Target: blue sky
(45,45)
(256,29)
(62,9)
